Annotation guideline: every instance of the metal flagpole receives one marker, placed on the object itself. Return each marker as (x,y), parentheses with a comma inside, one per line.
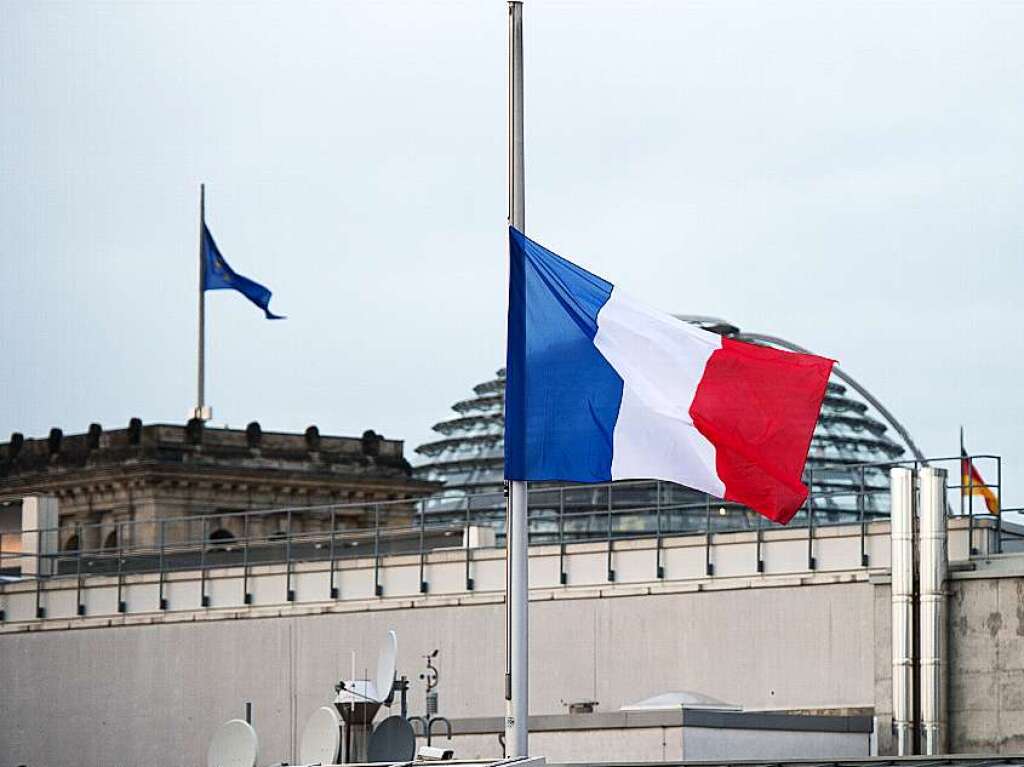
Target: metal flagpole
(517,595)
(963,452)
(201,411)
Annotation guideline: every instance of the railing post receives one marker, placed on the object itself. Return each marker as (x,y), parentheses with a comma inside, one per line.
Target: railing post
(999,505)
(611,570)
(80,608)
(563,576)
(122,605)
(960,484)
(3,613)
(469,578)
(289,591)
(709,566)
(40,610)
(659,569)
(970,504)
(759,538)
(246,596)
(163,599)
(378,589)
(812,563)
(334,524)
(204,599)
(423,554)
(861,503)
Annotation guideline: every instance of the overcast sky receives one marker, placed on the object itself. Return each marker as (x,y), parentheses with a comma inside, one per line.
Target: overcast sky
(847,176)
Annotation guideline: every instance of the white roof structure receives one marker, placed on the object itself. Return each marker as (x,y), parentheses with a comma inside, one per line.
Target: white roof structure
(681,699)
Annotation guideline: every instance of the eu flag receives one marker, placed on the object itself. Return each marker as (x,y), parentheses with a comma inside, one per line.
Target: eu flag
(217,275)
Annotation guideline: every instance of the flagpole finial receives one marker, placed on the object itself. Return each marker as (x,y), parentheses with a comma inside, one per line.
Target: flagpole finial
(204,413)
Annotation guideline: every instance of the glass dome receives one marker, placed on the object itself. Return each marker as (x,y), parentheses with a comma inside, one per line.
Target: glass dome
(853,429)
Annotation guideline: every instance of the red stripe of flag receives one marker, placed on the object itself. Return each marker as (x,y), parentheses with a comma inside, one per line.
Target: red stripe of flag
(758,406)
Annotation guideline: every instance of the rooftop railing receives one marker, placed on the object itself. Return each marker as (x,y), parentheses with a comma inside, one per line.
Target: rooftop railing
(559,515)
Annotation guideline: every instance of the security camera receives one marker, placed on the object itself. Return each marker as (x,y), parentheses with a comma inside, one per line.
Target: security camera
(435,754)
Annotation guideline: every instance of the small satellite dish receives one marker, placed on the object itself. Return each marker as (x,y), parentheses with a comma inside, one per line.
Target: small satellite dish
(233,745)
(321,738)
(393,740)
(384,682)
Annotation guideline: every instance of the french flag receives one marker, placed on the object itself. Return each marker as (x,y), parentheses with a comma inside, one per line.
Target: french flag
(599,387)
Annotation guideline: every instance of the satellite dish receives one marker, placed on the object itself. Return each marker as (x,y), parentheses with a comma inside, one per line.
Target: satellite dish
(384,682)
(233,745)
(321,738)
(393,740)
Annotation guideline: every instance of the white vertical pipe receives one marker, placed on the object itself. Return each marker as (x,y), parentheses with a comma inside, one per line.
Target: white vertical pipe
(934,566)
(517,594)
(902,531)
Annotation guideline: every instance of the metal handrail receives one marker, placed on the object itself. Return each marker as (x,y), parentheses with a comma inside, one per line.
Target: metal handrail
(404,526)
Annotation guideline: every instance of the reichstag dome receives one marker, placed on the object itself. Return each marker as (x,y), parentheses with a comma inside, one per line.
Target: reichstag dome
(854,429)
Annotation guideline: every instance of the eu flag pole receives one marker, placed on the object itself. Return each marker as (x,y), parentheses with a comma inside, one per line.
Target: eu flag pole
(202,412)
(216,274)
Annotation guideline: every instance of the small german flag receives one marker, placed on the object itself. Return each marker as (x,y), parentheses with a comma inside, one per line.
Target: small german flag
(972,483)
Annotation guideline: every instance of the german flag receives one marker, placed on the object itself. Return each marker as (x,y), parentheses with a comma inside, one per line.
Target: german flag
(972,483)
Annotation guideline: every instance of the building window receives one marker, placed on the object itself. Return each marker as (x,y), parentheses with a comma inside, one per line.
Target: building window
(72,544)
(110,542)
(221,537)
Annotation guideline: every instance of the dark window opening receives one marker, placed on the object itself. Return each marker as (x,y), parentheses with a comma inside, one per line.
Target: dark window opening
(221,536)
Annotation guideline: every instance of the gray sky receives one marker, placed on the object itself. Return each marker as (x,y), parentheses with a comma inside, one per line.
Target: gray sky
(848,176)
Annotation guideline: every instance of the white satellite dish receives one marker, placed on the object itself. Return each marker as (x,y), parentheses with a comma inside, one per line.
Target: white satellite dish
(321,738)
(384,682)
(233,745)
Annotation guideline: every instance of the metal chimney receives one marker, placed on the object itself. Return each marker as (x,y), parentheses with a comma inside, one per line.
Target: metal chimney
(902,527)
(934,566)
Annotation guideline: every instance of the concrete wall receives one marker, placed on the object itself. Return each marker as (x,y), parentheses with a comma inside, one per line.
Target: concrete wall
(153,694)
(986,684)
(150,687)
(648,744)
(705,743)
(669,744)
(986,658)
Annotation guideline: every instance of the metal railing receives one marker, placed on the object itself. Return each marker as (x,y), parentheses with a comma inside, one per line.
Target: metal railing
(560,515)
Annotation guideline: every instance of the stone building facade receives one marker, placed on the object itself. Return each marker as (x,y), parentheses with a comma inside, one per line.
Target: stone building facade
(190,482)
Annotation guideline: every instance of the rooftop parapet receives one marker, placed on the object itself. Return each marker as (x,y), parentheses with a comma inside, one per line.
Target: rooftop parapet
(197,443)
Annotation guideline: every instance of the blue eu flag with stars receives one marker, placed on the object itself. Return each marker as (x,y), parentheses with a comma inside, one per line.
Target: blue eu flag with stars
(217,275)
